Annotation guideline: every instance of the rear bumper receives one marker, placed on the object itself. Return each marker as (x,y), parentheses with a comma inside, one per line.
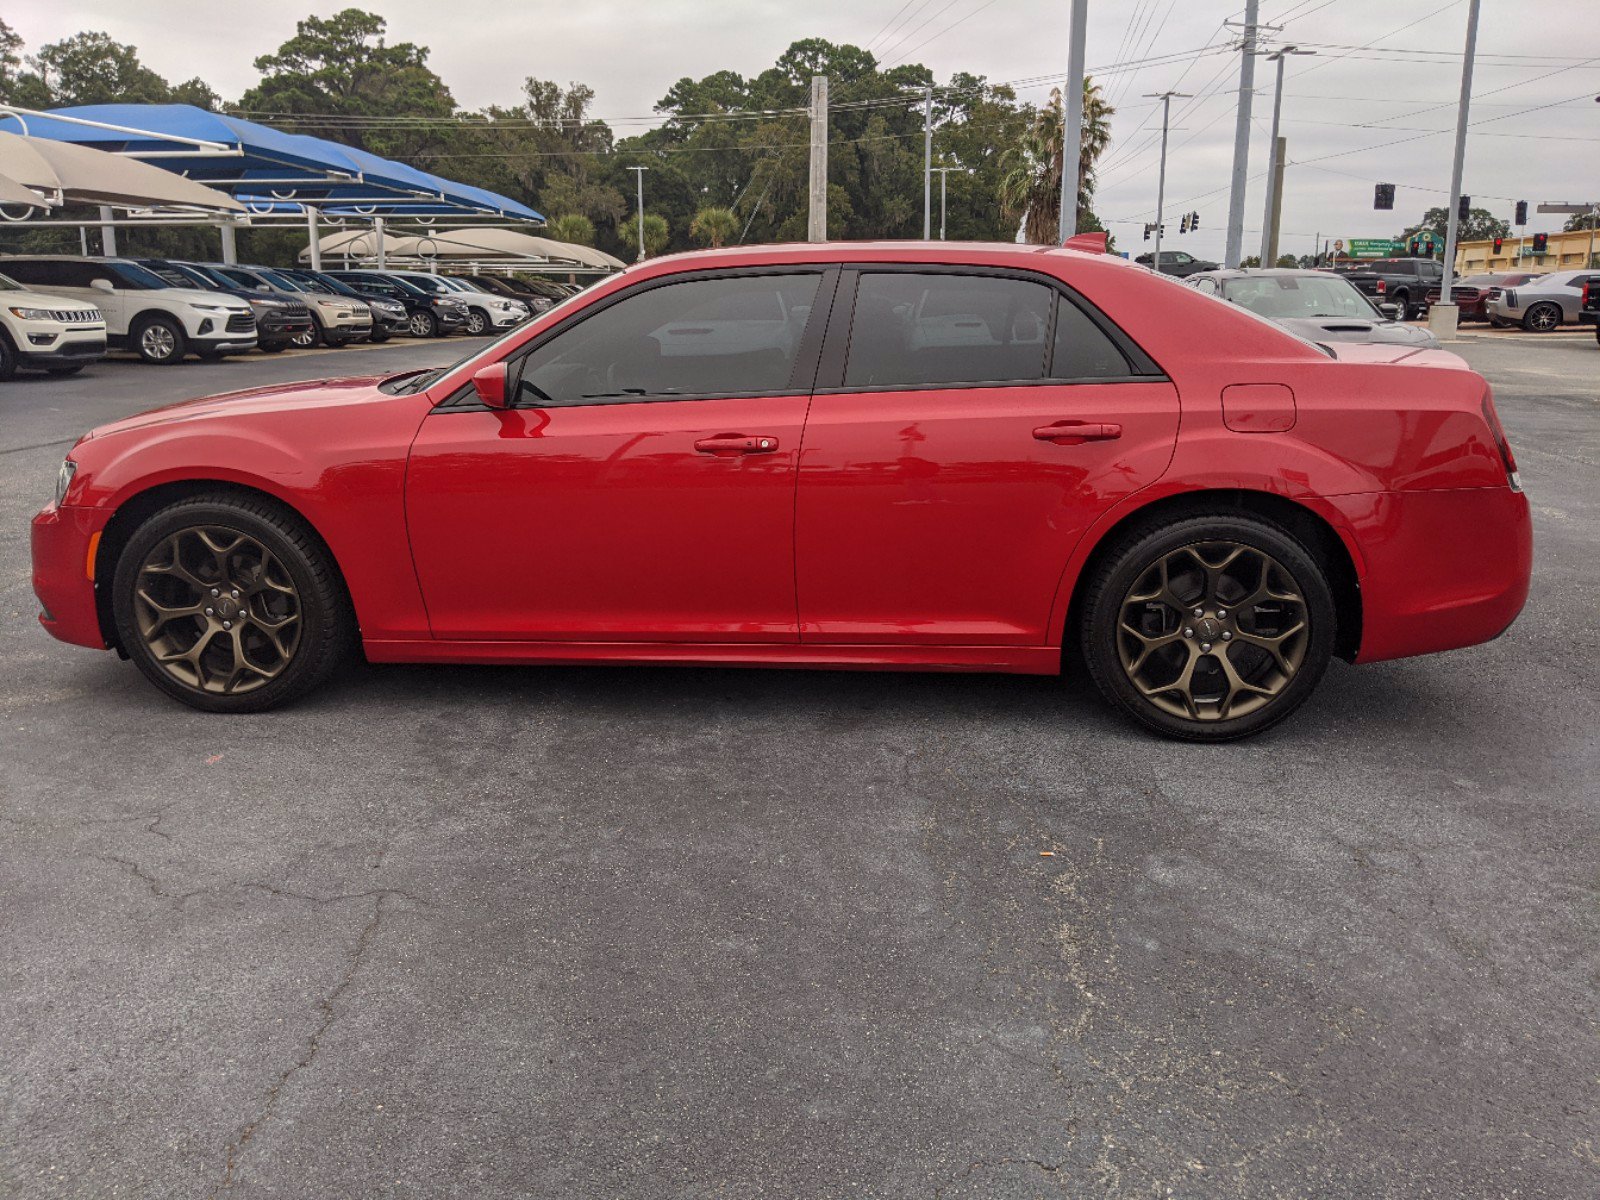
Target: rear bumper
(62,573)
(1588,316)
(1441,569)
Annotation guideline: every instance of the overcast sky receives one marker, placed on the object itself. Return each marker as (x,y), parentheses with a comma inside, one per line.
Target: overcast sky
(1362,111)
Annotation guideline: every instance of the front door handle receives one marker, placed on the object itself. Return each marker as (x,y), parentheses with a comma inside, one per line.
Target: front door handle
(731,445)
(1075,433)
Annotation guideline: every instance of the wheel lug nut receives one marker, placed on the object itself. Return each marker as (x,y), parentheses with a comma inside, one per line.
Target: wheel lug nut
(1199,612)
(234,593)
(1226,636)
(1205,647)
(210,611)
(227,624)
(1186,632)
(1221,612)
(214,592)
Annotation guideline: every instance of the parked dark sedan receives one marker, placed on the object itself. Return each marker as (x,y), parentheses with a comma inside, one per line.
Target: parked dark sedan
(428,314)
(1178,263)
(1320,306)
(389,317)
(514,289)
(281,316)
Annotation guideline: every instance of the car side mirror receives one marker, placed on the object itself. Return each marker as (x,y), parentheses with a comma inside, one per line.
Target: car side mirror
(103,285)
(490,384)
(1391,312)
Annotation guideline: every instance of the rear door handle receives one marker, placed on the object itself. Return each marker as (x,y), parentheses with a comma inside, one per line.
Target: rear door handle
(1075,433)
(731,445)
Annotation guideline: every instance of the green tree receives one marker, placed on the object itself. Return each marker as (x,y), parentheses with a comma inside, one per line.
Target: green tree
(341,67)
(1579,221)
(1480,225)
(714,226)
(573,228)
(1288,260)
(1030,189)
(91,68)
(656,234)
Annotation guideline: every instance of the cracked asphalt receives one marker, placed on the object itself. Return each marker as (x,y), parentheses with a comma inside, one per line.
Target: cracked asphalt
(472,932)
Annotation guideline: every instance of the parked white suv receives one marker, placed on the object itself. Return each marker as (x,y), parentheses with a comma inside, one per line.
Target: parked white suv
(143,312)
(47,333)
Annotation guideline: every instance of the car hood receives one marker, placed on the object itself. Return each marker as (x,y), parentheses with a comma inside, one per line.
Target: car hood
(43,300)
(1360,329)
(196,296)
(278,397)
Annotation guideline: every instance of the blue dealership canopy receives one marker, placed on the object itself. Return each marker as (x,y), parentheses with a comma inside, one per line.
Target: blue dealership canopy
(256,163)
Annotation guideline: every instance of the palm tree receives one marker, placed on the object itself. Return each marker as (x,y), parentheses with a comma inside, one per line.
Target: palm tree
(572,228)
(1030,188)
(655,233)
(713,226)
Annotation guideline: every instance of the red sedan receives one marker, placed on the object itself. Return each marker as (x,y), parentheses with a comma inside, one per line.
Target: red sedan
(923,456)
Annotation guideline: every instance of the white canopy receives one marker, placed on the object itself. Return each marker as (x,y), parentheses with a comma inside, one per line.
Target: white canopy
(69,173)
(466,245)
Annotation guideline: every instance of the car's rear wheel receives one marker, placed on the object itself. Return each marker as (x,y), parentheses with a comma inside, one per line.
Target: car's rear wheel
(477,321)
(1542,318)
(272,347)
(423,324)
(160,340)
(1210,628)
(307,338)
(379,336)
(8,356)
(229,604)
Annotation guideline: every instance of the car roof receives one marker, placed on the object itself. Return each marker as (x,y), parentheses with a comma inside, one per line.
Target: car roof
(1261,272)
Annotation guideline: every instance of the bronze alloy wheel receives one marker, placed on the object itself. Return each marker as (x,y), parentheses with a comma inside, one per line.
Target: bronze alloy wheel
(1213,631)
(217,610)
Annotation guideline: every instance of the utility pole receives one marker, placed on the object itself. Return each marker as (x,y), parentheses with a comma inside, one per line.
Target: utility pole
(1241,135)
(1072,122)
(944,178)
(1448,313)
(1161,178)
(638,174)
(927,163)
(1280,149)
(817,224)
(1269,224)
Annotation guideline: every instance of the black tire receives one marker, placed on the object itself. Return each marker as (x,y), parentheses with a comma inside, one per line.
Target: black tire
(477,323)
(326,625)
(1403,299)
(64,371)
(335,341)
(8,356)
(1136,555)
(1597,333)
(379,336)
(160,341)
(1543,317)
(309,339)
(423,324)
(272,347)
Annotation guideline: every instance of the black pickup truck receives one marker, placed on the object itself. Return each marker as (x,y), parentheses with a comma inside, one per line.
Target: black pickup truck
(1589,308)
(1400,281)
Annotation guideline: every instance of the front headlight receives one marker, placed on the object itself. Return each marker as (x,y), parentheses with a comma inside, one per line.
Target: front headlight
(64,478)
(336,306)
(213,307)
(262,303)
(33,314)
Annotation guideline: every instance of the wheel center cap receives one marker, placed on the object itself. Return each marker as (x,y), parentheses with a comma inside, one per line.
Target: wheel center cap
(227,608)
(1207,629)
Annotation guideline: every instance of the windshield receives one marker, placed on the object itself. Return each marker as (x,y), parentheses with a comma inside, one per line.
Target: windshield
(315,281)
(1279,296)
(281,282)
(7,284)
(427,283)
(184,277)
(456,285)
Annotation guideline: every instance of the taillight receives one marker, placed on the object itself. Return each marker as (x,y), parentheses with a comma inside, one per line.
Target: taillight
(1510,297)
(1492,419)
(1586,293)
(1382,287)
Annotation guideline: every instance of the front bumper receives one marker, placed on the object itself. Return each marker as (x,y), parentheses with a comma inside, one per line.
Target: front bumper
(64,540)
(282,328)
(69,350)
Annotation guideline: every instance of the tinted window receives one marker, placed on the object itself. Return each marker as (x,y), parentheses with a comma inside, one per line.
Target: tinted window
(699,337)
(1081,350)
(914,329)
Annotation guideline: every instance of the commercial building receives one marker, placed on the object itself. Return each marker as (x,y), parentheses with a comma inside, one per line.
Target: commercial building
(1562,251)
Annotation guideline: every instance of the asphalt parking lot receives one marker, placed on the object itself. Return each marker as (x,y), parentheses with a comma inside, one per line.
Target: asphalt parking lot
(473,932)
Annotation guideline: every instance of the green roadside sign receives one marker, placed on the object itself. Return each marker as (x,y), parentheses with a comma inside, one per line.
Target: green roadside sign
(1373,248)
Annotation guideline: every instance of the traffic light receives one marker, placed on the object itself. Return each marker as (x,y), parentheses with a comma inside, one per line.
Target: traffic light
(1183,225)
(1499,244)
(1147,231)
(1464,208)
(1522,212)
(1194,221)
(1383,196)
(1540,241)
(1416,248)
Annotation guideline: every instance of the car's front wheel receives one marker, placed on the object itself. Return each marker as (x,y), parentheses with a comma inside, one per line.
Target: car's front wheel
(160,340)
(1542,318)
(423,324)
(1210,628)
(477,322)
(229,603)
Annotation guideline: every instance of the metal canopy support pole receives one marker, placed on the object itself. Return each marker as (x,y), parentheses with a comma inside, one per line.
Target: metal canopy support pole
(230,244)
(817,219)
(315,245)
(1161,179)
(638,175)
(108,233)
(379,238)
(1072,122)
(1447,312)
(1241,136)
(927,163)
(944,185)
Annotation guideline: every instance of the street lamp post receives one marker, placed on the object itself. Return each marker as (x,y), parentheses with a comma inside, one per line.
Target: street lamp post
(944,175)
(1166,99)
(639,175)
(1269,224)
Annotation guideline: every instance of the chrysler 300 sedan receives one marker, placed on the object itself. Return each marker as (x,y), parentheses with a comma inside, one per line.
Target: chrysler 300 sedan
(894,456)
